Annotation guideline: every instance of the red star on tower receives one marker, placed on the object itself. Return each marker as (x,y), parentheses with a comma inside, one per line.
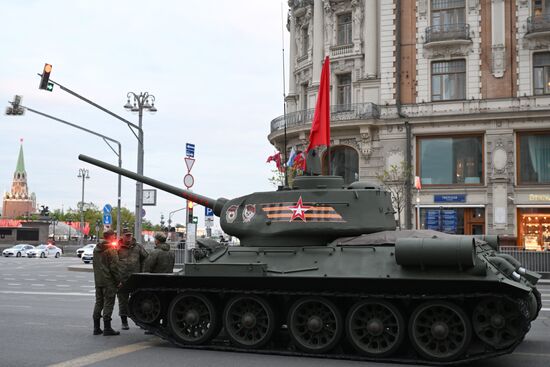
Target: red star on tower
(299,210)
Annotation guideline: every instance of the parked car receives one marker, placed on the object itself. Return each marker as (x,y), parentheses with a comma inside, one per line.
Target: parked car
(45,250)
(17,250)
(88,254)
(82,249)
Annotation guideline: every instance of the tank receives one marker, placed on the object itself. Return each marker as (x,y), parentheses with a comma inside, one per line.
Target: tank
(321,271)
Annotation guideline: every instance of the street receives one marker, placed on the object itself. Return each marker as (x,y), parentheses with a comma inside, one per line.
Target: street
(46,320)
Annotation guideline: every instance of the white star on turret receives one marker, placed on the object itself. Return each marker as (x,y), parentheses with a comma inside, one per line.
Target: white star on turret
(299,210)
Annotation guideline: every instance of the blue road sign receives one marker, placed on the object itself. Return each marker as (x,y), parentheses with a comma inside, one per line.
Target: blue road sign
(107,209)
(107,219)
(190,150)
(208,212)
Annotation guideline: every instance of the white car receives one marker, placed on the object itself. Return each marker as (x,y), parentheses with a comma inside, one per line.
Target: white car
(88,254)
(45,250)
(17,250)
(82,249)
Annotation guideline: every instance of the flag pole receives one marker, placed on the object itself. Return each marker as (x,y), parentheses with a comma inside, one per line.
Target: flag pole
(284,93)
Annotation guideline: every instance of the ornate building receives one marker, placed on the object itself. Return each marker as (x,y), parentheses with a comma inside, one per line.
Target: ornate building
(459,90)
(18,202)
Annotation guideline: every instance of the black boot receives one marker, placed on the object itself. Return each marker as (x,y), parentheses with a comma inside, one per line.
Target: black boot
(97,327)
(124,320)
(108,330)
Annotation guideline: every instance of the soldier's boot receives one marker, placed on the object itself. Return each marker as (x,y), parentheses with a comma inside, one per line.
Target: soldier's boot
(124,320)
(108,330)
(97,327)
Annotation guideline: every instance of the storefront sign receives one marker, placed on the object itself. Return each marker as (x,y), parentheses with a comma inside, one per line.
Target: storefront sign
(539,197)
(443,220)
(458,198)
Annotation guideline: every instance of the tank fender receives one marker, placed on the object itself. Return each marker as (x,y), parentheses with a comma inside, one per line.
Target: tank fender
(458,251)
(531,276)
(505,267)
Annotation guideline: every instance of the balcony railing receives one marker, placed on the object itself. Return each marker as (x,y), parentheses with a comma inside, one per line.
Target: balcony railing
(447,32)
(538,23)
(341,50)
(356,111)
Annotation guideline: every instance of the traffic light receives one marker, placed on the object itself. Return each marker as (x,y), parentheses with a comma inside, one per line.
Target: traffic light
(189,211)
(45,81)
(195,220)
(15,108)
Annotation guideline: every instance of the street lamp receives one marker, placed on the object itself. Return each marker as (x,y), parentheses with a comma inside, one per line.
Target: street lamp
(84,174)
(143,101)
(97,226)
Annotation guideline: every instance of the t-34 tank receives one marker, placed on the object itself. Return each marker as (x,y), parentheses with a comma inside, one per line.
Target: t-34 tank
(320,270)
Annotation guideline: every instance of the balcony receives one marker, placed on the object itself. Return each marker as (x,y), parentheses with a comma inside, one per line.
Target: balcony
(448,33)
(341,50)
(357,111)
(538,25)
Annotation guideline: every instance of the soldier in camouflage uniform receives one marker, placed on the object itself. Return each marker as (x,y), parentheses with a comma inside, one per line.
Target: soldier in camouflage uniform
(161,259)
(131,256)
(107,279)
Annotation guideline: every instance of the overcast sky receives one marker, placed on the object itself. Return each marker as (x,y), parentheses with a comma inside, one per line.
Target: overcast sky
(213,66)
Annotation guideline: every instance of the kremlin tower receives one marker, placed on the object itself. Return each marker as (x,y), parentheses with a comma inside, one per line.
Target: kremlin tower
(18,202)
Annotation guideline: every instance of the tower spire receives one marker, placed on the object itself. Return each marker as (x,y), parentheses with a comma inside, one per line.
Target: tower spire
(20,160)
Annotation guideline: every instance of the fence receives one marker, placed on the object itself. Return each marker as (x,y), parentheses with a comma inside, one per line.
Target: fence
(538,261)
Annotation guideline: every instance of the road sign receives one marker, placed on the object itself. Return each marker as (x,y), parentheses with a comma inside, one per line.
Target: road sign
(189,162)
(191,237)
(107,209)
(143,212)
(190,150)
(188,180)
(208,212)
(107,219)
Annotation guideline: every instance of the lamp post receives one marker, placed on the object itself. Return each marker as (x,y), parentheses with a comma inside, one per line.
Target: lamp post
(140,102)
(54,223)
(84,174)
(97,226)
(69,222)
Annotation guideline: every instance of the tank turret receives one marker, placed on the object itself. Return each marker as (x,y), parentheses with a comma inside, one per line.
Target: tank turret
(317,210)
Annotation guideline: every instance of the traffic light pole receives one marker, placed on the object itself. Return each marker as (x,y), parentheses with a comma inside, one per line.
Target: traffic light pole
(106,139)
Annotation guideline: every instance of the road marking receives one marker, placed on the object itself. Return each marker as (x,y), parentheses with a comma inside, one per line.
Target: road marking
(14,284)
(49,293)
(61,285)
(9,278)
(105,355)
(30,279)
(87,286)
(37,285)
(15,306)
(545,309)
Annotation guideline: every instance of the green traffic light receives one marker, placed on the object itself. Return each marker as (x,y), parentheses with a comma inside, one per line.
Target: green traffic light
(195,220)
(49,87)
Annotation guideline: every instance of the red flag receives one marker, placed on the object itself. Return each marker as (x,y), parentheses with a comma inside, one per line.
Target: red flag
(320,126)
(300,162)
(277,158)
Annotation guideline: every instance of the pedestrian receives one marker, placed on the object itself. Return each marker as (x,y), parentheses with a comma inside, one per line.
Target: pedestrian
(131,256)
(107,279)
(161,259)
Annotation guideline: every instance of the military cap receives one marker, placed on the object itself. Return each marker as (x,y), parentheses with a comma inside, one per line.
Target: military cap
(160,237)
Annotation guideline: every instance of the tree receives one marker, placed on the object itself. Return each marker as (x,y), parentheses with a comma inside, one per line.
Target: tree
(393,180)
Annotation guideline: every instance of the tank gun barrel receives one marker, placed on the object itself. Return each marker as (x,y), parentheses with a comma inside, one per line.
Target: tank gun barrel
(215,204)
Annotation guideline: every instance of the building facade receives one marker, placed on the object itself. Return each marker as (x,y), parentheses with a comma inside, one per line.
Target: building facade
(18,202)
(458,90)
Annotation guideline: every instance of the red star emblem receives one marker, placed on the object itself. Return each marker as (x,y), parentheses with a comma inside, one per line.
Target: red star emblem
(299,210)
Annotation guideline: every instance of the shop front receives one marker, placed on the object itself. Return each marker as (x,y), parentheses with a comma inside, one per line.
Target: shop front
(534,228)
(465,219)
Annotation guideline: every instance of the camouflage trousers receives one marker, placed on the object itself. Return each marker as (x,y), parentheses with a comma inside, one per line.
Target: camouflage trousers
(123,303)
(104,301)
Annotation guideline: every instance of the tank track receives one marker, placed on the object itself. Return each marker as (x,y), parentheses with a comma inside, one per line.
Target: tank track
(218,344)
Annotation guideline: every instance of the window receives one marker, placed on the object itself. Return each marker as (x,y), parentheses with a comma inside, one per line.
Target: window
(541,73)
(343,97)
(541,7)
(344,161)
(304,97)
(344,29)
(450,160)
(305,40)
(448,80)
(534,158)
(448,12)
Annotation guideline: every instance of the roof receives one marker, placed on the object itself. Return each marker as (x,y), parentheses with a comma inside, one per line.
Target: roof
(20,161)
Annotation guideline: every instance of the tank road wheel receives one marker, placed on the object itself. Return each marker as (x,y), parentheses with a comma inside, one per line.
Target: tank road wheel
(440,331)
(315,324)
(375,328)
(249,321)
(497,322)
(192,318)
(145,307)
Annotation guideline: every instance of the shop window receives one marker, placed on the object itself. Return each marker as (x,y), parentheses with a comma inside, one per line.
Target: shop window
(344,29)
(541,73)
(450,160)
(470,221)
(448,80)
(534,158)
(343,93)
(344,161)
(534,224)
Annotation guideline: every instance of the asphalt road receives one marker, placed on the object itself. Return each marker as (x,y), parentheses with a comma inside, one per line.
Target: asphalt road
(45,320)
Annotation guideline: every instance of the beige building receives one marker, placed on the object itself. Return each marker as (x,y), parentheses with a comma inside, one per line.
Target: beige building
(459,89)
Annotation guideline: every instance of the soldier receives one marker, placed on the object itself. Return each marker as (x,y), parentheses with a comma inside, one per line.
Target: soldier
(161,260)
(131,256)
(107,279)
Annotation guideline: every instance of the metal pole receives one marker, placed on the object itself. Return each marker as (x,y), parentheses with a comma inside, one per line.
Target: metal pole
(83,172)
(185,254)
(118,214)
(139,185)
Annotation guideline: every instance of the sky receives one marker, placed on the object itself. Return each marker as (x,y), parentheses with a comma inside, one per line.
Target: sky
(214,68)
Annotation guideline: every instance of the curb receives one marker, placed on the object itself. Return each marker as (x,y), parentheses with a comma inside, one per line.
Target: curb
(81,268)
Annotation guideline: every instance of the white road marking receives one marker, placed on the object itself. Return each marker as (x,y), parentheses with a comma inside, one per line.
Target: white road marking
(87,286)
(545,309)
(61,285)
(95,358)
(15,306)
(30,279)
(9,278)
(48,293)
(37,285)
(14,284)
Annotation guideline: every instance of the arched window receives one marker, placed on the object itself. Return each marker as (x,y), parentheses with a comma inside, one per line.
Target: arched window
(344,161)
